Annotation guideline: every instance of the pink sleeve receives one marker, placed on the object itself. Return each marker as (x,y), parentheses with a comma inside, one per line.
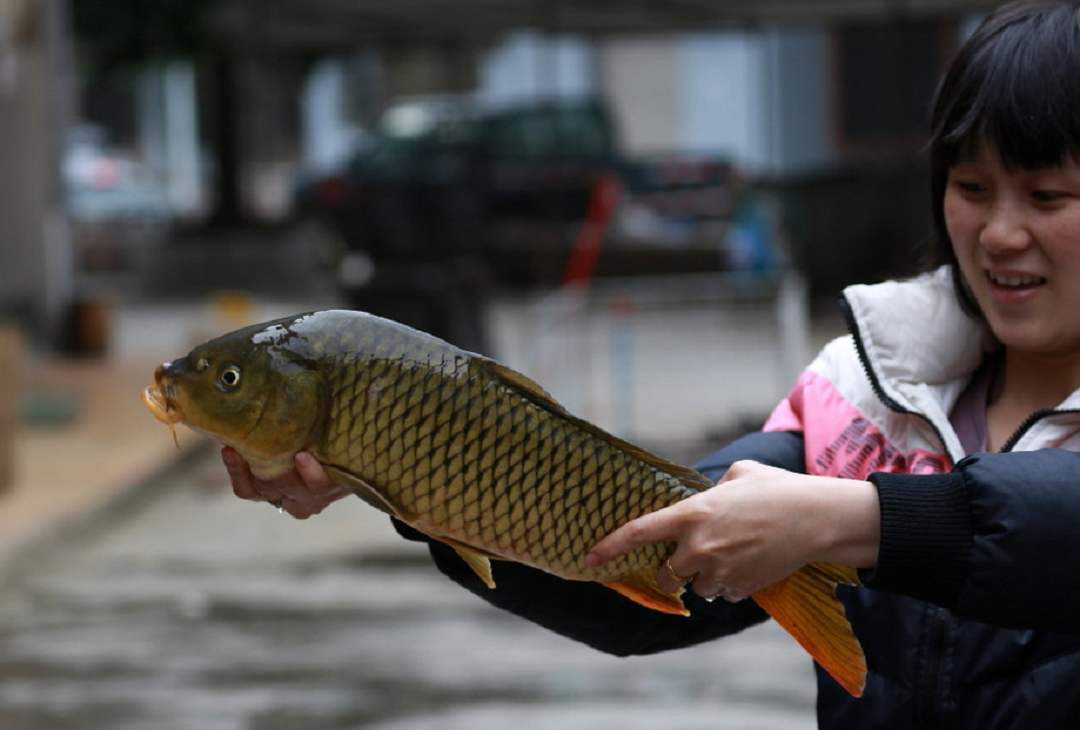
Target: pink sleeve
(788,414)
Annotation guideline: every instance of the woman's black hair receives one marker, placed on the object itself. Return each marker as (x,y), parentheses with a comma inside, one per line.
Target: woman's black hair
(1015,86)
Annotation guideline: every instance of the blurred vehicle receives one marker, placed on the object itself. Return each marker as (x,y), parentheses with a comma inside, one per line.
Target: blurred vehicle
(408,218)
(443,175)
(436,171)
(117,206)
(448,198)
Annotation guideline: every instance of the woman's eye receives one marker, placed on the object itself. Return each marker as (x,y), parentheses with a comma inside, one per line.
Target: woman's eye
(970,187)
(230,376)
(1048,196)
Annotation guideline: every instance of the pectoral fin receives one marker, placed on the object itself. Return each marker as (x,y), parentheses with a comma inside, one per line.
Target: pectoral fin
(365,491)
(477,559)
(806,606)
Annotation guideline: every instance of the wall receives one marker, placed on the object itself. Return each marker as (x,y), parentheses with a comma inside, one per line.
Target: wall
(758,96)
(638,77)
(527,65)
(36,278)
(799,89)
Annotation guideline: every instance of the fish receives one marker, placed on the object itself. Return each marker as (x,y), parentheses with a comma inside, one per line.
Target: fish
(467,451)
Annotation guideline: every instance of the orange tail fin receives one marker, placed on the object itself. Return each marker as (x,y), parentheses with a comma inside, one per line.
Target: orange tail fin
(805,604)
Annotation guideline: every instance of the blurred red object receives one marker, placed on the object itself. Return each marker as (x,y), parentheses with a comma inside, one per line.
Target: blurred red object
(585,253)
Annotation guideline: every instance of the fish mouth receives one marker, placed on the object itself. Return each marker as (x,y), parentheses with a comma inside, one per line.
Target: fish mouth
(160,405)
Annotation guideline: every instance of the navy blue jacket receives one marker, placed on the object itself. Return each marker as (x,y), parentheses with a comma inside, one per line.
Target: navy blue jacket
(971,618)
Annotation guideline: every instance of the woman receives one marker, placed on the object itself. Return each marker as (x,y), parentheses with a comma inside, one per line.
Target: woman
(935,447)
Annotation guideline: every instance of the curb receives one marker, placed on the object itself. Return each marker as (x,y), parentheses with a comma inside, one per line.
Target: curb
(17,559)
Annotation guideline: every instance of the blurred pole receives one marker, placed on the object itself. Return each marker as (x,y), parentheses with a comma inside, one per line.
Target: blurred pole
(585,253)
(324,131)
(224,131)
(621,310)
(169,132)
(36,262)
(10,357)
(793,318)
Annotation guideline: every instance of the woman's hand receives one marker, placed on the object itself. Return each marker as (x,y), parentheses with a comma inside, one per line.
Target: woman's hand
(758,526)
(305,491)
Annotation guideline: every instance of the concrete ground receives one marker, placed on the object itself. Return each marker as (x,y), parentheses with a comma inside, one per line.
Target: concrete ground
(192,609)
(137,592)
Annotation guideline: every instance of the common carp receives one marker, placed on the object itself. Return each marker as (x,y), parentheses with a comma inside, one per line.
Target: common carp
(465,450)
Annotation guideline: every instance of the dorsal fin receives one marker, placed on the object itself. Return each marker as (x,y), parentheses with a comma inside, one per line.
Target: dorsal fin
(529,389)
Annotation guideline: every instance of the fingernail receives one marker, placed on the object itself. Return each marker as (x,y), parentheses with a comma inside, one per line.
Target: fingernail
(592,560)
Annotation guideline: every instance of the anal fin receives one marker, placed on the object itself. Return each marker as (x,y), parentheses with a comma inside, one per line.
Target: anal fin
(476,558)
(480,564)
(805,604)
(642,588)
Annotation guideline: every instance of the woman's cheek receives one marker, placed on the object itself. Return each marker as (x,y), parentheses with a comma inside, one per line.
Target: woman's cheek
(957,219)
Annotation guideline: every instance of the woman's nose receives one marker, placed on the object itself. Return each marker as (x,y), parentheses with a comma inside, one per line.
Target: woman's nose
(1005,231)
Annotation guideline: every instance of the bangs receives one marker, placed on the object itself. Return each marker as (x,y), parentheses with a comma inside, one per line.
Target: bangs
(1015,87)
(1018,92)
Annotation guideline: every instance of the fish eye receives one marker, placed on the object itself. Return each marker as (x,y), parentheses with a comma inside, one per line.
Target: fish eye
(202,364)
(230,377)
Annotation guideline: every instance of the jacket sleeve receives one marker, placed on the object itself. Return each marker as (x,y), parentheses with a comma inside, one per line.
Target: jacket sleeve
(997,540)
(601,618)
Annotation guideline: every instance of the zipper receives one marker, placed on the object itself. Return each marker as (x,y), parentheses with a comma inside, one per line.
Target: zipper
(927,710)
(927,701)
(1030,421)
(864,360)
(891,403)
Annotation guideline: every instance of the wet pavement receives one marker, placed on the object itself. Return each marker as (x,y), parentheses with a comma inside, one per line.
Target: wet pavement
(187,608)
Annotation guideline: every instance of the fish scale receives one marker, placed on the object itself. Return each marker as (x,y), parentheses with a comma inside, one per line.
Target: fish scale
(467,451)
(501,451)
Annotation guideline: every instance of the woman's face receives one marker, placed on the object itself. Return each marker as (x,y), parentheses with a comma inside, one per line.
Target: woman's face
(1016,234)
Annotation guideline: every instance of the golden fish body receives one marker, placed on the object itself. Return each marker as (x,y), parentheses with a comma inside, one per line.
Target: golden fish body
(463,449)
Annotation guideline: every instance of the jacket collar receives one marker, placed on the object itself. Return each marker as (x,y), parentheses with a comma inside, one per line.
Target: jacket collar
(914,331)
(918,346)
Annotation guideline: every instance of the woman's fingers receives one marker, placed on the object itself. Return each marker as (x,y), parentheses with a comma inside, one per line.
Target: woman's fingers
(305,491)
(312,473)
(673,574)
(710,589)
(243,483)
(307,504)
(653,527)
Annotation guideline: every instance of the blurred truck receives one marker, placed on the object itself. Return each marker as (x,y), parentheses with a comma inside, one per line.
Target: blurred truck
(447,199)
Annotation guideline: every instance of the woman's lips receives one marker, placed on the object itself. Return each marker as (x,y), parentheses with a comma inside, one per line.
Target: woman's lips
(1014,287)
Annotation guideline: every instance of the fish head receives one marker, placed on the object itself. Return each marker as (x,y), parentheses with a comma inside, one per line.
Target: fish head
(257,396)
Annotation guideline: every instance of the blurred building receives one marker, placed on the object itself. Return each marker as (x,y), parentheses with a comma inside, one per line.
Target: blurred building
(36,269)
(819,105)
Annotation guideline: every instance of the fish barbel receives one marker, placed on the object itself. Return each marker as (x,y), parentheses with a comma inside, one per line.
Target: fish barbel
(465,450)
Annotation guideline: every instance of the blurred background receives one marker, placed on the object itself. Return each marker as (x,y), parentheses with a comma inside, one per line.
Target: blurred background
(648,207)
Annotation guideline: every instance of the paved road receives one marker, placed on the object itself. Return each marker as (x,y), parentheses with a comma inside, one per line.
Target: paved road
(192,609)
